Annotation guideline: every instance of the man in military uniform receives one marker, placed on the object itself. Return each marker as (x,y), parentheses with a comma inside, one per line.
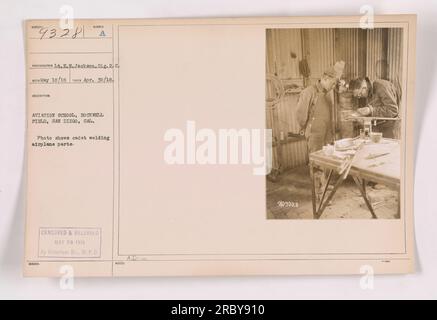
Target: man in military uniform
(314,115)
(381,99)
(314,110)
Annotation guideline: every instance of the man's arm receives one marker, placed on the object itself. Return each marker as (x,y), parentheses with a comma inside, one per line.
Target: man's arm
(387,107)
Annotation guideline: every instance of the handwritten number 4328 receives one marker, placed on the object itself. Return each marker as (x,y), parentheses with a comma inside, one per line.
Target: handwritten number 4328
(47,33)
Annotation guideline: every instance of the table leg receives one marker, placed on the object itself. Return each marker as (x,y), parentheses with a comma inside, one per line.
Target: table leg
(325,188)
(398,214)
(331,195)
(313,190)
(363,194)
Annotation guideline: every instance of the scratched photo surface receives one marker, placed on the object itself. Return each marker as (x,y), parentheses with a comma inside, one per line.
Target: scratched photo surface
(335,105)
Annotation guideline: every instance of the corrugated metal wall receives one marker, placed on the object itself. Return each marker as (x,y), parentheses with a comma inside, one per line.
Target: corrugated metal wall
(376,52)
(395,57)
(384,54)
(281,43)
(283,55)
(319,50)
(348,48)
(395,54)
(284,51)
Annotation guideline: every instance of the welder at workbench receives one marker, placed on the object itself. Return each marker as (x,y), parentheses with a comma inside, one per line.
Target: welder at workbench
(381,100)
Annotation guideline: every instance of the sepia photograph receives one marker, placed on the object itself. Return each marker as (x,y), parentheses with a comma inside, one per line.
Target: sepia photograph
(334,104)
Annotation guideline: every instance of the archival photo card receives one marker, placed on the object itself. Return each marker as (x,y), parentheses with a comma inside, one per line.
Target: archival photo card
(228,146)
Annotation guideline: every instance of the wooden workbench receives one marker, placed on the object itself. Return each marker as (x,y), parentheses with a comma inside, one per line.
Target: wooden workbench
(383,169)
